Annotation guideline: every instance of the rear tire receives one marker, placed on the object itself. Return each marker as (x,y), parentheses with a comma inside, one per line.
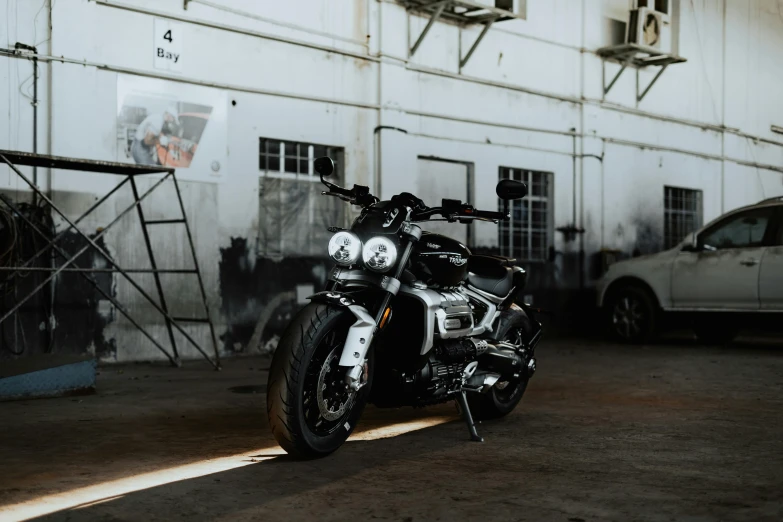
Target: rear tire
(304,374)
(513,326)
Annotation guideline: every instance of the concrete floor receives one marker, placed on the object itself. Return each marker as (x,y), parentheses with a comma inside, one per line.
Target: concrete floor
(671,432)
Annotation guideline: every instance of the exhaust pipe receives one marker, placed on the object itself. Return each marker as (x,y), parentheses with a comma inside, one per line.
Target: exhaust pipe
(504,358)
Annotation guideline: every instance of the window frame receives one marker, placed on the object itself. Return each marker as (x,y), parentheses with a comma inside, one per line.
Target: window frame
(699,222)
(337,153)
(766,240)
(507,228)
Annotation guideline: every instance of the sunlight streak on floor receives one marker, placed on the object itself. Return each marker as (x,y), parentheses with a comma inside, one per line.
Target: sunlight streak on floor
(395,430)
(111,490)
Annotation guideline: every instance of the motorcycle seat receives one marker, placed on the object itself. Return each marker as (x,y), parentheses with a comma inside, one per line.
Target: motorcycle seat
(490,274)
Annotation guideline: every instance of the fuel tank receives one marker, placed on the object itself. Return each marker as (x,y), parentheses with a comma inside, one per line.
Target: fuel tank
(440,260)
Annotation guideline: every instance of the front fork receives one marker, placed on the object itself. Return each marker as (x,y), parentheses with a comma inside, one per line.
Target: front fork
(361,333)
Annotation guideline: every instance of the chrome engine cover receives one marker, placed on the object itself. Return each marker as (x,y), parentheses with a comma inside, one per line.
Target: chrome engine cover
(454,317)
(443,308)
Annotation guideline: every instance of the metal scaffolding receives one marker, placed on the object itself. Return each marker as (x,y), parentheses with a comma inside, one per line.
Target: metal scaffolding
(129,171)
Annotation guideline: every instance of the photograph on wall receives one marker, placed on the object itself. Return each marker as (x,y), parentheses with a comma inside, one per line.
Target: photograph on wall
(170,125)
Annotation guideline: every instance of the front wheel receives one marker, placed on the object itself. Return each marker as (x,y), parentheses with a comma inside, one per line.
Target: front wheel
(310,409)
(631,315)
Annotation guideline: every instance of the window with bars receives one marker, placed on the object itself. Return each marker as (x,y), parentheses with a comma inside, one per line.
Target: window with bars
(682,214)
(529,233)
(293,215)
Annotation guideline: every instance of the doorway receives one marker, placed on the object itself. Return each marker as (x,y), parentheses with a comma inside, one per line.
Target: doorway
(439,178)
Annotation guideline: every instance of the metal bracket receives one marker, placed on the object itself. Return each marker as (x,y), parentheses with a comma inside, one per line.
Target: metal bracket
(433,19)
(608,88)
(639,97)
(484,31)
(638,56)
(463,12)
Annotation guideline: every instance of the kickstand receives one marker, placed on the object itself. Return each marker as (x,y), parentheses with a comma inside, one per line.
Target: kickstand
(463,404)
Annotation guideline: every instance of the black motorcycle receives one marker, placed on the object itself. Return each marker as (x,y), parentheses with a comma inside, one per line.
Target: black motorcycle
(408,318)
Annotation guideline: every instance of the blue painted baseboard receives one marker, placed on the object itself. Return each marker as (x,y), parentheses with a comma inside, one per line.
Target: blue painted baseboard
(46,377)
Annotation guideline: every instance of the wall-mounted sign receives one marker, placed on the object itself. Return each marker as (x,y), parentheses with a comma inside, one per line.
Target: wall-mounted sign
(167,45)
(172,124)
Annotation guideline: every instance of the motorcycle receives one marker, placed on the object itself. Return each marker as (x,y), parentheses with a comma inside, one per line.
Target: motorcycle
(407,318)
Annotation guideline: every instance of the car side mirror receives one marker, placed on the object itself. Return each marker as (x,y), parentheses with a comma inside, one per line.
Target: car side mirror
(324,166)
(508,189)
(691,243)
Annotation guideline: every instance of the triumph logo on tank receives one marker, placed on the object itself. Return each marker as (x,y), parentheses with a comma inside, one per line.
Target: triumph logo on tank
(459,261)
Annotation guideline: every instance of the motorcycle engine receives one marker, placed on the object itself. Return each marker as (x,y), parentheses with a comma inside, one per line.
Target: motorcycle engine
(444,370)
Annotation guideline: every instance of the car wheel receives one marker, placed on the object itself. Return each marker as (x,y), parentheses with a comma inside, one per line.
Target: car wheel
(631,315)
(715,331)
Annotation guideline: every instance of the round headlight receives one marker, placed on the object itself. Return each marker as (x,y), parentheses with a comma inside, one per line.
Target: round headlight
(345,248)
(379,254)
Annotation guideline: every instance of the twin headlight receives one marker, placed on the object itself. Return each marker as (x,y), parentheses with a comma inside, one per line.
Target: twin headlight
(378,253)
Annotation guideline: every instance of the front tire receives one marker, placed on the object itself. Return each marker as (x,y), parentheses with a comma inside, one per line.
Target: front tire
(632,315)
(310,411)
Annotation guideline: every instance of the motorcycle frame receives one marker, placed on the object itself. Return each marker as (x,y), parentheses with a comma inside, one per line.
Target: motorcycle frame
(363,331)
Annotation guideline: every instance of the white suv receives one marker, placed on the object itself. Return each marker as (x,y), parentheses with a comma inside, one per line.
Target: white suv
(721,276)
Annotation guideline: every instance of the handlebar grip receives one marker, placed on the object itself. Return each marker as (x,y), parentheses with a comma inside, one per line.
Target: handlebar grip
(488,214)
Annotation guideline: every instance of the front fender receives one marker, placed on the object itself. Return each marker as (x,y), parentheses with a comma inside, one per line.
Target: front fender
(361,333)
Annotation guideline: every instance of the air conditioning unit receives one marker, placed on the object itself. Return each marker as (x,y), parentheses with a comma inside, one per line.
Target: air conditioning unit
(645,27)
(512,6)
(662,6)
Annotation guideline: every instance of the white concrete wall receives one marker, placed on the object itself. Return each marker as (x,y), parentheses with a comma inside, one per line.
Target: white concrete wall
(704,125)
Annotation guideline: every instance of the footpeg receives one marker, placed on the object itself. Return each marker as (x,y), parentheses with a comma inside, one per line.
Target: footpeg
(463,405)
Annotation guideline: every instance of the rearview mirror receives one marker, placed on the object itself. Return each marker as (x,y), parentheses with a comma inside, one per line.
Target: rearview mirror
(508,189)
(324,166)
(689,243)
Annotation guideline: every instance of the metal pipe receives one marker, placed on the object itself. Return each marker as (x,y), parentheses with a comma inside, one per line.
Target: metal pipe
(573,193)
(424,70)
(49,176)
(433,115)
(179,79)
(491,143)
(35,122)
(237,30)
(280,23)
(723,117)
(444,117)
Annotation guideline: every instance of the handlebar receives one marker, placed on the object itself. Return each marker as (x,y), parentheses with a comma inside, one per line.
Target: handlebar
(451,209)
(454,210)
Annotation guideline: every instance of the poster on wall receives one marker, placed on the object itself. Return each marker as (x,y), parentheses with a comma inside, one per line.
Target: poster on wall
(172,124)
